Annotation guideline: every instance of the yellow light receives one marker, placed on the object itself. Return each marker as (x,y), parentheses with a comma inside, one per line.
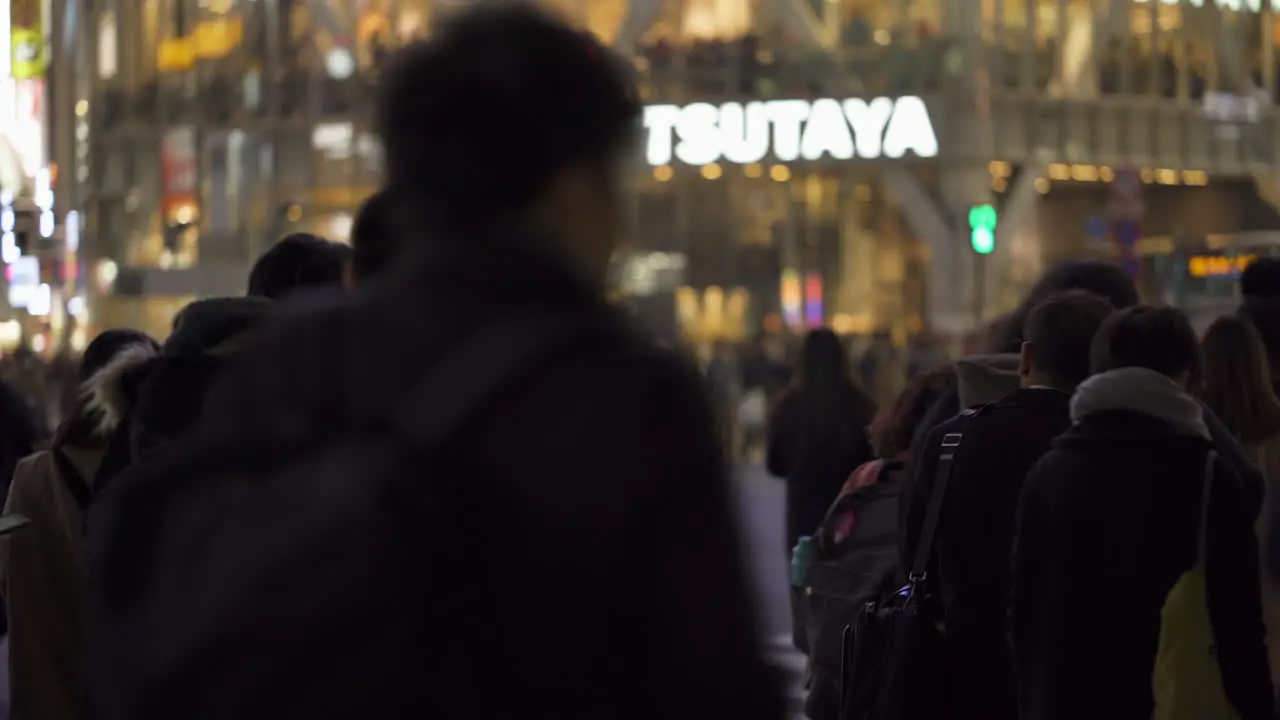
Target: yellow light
(1166,177)
(1042,185)
(1106,174)
(1195,177)
(1058,171)
(753,170)
(82,108)
(1084,173)
(1146,175)
(780,173)
(663,173)
(999,184)
(294,214)
(712,171)
(1209,266)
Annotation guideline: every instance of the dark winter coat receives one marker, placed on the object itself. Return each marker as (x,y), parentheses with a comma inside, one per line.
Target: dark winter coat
(815,461)
(975,536)
(1108,523)
(602,572)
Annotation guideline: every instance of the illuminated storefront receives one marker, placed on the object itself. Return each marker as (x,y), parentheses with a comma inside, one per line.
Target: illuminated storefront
(810,162)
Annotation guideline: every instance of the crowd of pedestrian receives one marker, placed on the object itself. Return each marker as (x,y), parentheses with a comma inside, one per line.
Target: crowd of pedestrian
(436,474)
(1085,516)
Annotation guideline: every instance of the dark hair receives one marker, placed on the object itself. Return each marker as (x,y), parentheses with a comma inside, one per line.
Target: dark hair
(1156,338)
(107,345)
(1237,380)
(297,260)
(1261,279)
(475,120)
(825,388)
(373,242)
(1099,278)
(895,426)
(1061,331)
(1264,313)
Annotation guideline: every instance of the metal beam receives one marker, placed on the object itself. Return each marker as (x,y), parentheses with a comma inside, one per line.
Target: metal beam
(640,16)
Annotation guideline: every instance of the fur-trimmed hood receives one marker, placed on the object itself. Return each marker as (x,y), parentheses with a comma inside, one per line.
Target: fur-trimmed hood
(203,332)
(109,393)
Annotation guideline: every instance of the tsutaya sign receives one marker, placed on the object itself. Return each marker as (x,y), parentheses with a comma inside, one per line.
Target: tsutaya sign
(702,133)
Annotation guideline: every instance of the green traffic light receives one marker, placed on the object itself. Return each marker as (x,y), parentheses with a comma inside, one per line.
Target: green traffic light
(983,216)
(983,241)
(982,228)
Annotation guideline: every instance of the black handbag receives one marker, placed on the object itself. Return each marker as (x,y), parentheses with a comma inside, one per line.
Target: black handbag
(894,660)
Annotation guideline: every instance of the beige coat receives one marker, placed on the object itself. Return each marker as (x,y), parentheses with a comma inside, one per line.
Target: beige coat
(43,573)
(42,565)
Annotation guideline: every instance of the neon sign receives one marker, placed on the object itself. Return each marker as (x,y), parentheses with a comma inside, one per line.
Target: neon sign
(1213,266)
(702,133)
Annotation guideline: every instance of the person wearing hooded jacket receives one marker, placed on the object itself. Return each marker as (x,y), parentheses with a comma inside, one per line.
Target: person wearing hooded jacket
(986,378)
(42,568)
(970,566)
(151,401)
(1109,521)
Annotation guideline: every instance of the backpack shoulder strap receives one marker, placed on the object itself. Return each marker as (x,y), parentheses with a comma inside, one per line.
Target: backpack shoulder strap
(480,366)
(933,515)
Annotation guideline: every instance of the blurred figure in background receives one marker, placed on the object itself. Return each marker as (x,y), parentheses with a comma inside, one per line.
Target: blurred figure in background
(817,432)
(1237,387)
(298,261)
(42,568)
(1260,305)
(373,241)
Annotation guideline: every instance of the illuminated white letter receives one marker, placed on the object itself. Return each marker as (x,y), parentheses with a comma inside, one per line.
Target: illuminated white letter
(910,129)
(826,132)
(787,115)
(699,136)
(746,139)
(867,120)
(659,121)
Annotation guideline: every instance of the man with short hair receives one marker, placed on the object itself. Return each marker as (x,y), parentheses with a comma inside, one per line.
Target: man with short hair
(1129,499)
(568,547)
(970,553)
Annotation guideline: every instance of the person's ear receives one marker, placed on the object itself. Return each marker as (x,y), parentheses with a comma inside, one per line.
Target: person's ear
(1026,359)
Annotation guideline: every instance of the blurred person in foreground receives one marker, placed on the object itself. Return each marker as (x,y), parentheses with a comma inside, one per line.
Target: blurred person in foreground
(552,480)
(1110,520)
(970,566)
(297,261)
(42,568)
(1237,387)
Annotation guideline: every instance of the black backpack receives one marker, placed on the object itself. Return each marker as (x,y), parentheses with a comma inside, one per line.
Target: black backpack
(855,558)
(313,584)
(894,654)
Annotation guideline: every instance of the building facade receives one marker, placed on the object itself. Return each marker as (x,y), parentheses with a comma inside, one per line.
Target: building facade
(801,161)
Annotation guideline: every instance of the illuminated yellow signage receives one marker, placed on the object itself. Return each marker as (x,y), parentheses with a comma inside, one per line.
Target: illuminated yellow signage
(26,39)
(1211,266)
